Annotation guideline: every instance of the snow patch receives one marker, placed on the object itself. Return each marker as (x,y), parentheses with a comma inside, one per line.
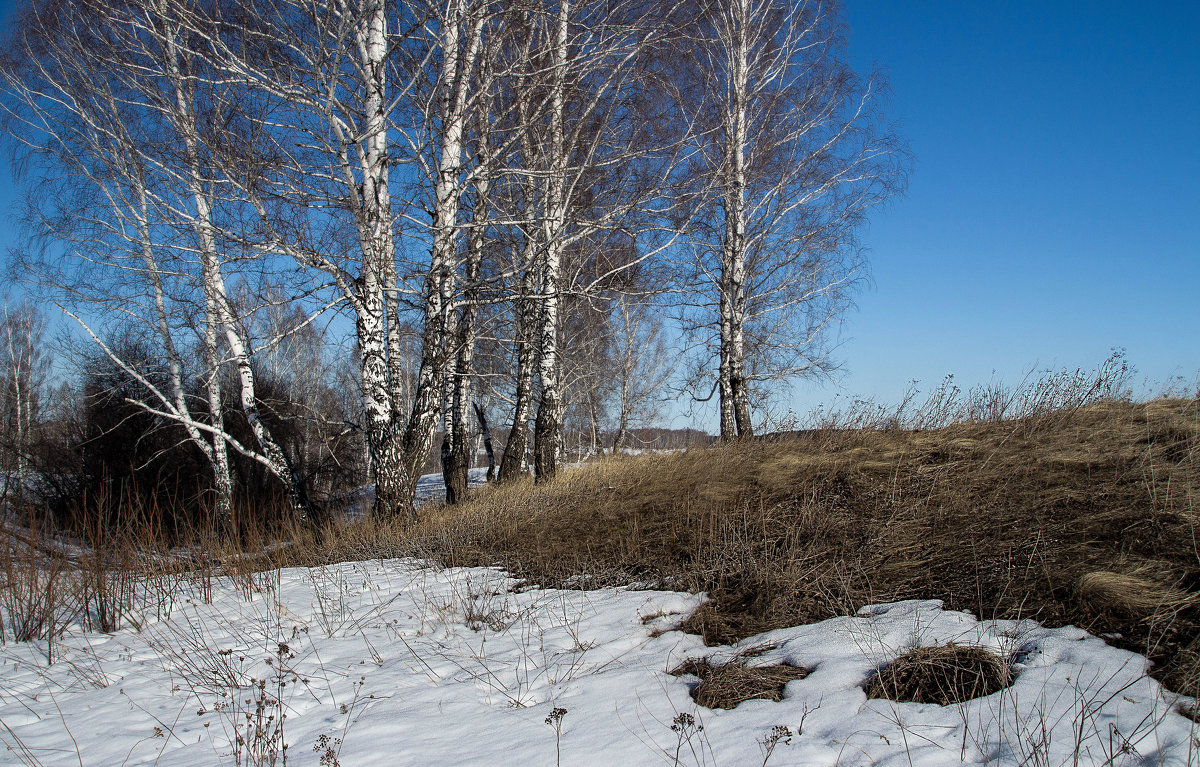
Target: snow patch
(399,663)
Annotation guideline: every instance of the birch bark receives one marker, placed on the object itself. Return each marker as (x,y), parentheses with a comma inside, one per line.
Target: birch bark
(512,462)
(547,436)
(461,38)
(735,407)
(456,461)
(377,327)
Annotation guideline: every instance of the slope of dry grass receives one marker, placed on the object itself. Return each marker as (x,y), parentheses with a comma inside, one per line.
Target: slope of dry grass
(1083,515)
(1086,517)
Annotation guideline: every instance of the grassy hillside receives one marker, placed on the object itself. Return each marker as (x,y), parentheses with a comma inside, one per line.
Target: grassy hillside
(1085,516)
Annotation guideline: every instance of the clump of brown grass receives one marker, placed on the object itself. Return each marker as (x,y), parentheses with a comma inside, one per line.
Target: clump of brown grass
(1133,595)
(944,675)
(725,685)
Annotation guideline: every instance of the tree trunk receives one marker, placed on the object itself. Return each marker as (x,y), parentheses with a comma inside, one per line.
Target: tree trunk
(735,407)
(594,419)
(512,463)
(456,462)
(214,281)
(546,436)
(726,365)
(487,442)
(622,427)
(459,57)
(375,325)
(222,508)
(547,433)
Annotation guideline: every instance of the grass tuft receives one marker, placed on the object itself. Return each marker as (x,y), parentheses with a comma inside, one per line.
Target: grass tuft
(1133,595)
(725,685)
(943,675)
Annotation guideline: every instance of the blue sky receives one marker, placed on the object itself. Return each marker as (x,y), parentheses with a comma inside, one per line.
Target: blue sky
(1053,211)
(6,183)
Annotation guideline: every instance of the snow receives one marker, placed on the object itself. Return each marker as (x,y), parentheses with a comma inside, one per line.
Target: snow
(403,663)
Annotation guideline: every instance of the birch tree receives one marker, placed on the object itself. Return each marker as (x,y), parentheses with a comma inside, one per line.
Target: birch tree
(641,367)
(318,185)
(457,401)
(449,328)
(792,155)
(363,88)
(117,106)
(594,165)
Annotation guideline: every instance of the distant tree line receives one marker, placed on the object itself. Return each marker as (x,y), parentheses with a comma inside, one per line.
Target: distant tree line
(304,238)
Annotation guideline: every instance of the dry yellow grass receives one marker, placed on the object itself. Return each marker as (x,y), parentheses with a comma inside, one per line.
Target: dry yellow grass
(1134,595)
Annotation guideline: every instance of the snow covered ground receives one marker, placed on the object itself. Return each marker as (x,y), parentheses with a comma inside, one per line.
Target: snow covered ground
(398,663)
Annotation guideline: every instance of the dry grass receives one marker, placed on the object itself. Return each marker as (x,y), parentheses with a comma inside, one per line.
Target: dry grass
(1084,517)
(1138,595)
(725,685)
(943,675)
(112,577)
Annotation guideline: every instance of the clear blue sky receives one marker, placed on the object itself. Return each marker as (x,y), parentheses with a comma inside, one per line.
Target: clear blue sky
(7,193)
(1054,207)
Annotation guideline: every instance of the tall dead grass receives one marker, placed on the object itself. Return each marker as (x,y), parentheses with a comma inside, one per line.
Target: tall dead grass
(108,577)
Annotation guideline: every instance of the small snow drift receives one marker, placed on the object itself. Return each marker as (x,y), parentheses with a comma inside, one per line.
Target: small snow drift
(725,685)
(944,675)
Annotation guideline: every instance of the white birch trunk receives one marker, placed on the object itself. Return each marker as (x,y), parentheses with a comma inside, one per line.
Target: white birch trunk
(174,362)
(526,329)
(512,462)
(458,60)
(18,396)
(456,463)
(735,411)
(222,511)
(378,328)
(548,429)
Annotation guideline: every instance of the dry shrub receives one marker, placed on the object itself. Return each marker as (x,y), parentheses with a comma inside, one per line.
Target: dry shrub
(943,675)
(38,591)
(725,685)
(116,571)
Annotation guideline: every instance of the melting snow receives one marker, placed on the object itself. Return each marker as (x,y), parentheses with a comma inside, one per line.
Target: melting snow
(405,664)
